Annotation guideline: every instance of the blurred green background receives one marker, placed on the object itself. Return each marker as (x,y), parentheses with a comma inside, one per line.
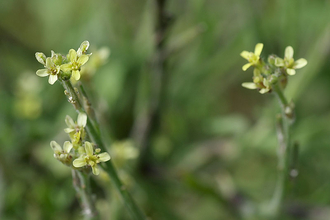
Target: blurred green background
(210,148)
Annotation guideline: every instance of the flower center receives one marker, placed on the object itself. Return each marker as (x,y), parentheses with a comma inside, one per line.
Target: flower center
(75,66)
(289,62)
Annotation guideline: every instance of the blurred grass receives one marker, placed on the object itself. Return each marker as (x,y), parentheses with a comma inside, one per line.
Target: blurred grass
(209,125)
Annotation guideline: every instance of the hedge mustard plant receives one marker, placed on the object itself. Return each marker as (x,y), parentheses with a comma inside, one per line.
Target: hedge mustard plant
(272,77)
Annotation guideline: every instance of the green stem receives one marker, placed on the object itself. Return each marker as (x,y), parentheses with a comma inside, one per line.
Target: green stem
(281,97)
(111,170)
(82,187)
(283,136)
(107,166)
(89,109)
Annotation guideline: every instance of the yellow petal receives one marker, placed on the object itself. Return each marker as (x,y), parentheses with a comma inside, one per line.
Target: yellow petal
(49,63)
(263,91)
(291,72)
(288,52)
(83,59)
(258,49)
(52,79)
(68,130)
(246,66)
(103,157)
(300,63)
(96,170)
(42,72)
(257,79)
(76,74)
(55,146)
(69,122)
(79,162)
(89,148)
(72,55)
(66,67)
(245,54)
(82,119)
(249,85)
(81,150)
(67,146)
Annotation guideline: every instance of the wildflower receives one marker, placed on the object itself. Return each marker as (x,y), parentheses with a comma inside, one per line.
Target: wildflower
(289,63)
(259,82)
(76,129)
(91,158)
(51,68)
(62,154)
(75,62)
(253,58)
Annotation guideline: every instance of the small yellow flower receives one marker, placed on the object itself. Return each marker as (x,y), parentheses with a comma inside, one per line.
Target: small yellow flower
(289,63)
(76,130)
(91,158)
(75,63)
(51,70)
(253,58)
(62,154)
(259,82)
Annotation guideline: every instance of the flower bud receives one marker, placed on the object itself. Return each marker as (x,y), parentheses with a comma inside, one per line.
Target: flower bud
(83,48)
(271,59)
(273,79)
(41,58)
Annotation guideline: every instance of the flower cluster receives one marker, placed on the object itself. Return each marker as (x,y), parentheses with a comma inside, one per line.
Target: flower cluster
(79,153)
(63,67)
(265,75)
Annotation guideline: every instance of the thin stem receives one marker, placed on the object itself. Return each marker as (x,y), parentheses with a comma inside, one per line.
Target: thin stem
(111,170)
(107,166)
(89,109)
(82,187)
(281,97)
(283,135)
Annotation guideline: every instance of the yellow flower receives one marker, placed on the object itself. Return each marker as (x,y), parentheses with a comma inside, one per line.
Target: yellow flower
(75,63)
(91,158)
(253,58)
(289,63)
(62,154)
(51,70)
(76,129)
(259,82)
